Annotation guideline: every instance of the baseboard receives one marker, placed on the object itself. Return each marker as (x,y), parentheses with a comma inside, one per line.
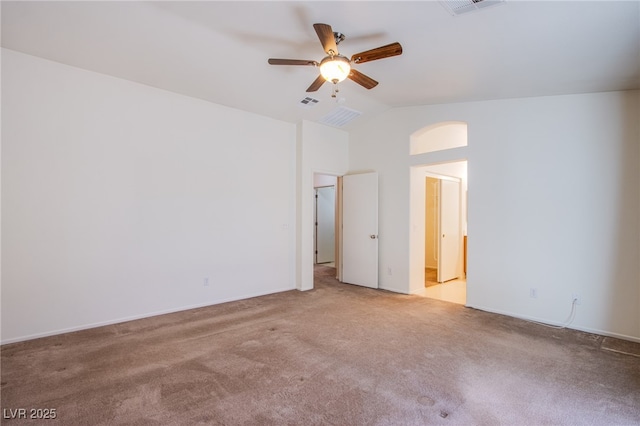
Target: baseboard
(137,317)
(555,324)
(393,289)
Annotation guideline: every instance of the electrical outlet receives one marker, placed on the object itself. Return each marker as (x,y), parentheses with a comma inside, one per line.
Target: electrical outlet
(533,293)
(206,282)
(575,297)
(389,271)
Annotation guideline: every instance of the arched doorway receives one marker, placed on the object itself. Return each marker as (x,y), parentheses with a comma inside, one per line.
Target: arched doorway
(438,166)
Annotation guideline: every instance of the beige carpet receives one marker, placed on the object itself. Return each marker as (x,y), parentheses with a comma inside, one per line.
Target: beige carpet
(337,355)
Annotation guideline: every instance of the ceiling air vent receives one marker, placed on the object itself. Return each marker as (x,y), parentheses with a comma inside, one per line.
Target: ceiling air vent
(308,103)
(459,7)
(340,116)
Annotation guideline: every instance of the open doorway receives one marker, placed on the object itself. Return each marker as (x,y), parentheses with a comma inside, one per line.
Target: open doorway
(442,229)
(353,229)
(438,150)
(325,225)
(445,232)
(325,218)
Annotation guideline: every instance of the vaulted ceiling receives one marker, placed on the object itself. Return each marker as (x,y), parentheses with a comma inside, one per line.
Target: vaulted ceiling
(218,50)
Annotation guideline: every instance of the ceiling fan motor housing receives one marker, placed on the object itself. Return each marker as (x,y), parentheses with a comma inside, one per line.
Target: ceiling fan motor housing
(335,68)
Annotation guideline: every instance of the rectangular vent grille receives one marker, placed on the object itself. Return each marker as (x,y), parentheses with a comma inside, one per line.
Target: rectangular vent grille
(308,103)
(459,7)
(340,116)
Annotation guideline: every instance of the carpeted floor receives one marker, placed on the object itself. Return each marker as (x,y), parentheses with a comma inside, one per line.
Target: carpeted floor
(337,355)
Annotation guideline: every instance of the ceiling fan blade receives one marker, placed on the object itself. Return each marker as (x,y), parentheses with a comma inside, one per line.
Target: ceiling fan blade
(328,40)
(274,61)
(363,80)
(393,49)
(316,84)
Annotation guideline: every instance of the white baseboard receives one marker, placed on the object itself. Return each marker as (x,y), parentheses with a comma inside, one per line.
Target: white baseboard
(393,289)
(546,321)
(137,317)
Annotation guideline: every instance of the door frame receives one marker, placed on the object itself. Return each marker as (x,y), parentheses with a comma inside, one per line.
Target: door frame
(338,225)
(315,215)
(417,215)
(307,224)
(457,180)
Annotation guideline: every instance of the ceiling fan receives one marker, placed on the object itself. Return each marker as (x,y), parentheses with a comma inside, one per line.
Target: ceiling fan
(336,67)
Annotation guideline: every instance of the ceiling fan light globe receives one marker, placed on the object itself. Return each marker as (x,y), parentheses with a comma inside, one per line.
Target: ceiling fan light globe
(335,69)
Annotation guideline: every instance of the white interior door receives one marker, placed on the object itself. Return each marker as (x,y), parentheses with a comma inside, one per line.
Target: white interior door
(325,224)
(360,229)
(449,230)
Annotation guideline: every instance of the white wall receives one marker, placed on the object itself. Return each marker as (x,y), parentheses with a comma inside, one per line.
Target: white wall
(324,150)
(320,180)
(437,137)
(119,199)
(554,203)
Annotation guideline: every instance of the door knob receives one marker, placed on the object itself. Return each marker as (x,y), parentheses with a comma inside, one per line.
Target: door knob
(373,237)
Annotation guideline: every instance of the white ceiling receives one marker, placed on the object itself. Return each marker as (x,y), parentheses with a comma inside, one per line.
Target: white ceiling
(218,50)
